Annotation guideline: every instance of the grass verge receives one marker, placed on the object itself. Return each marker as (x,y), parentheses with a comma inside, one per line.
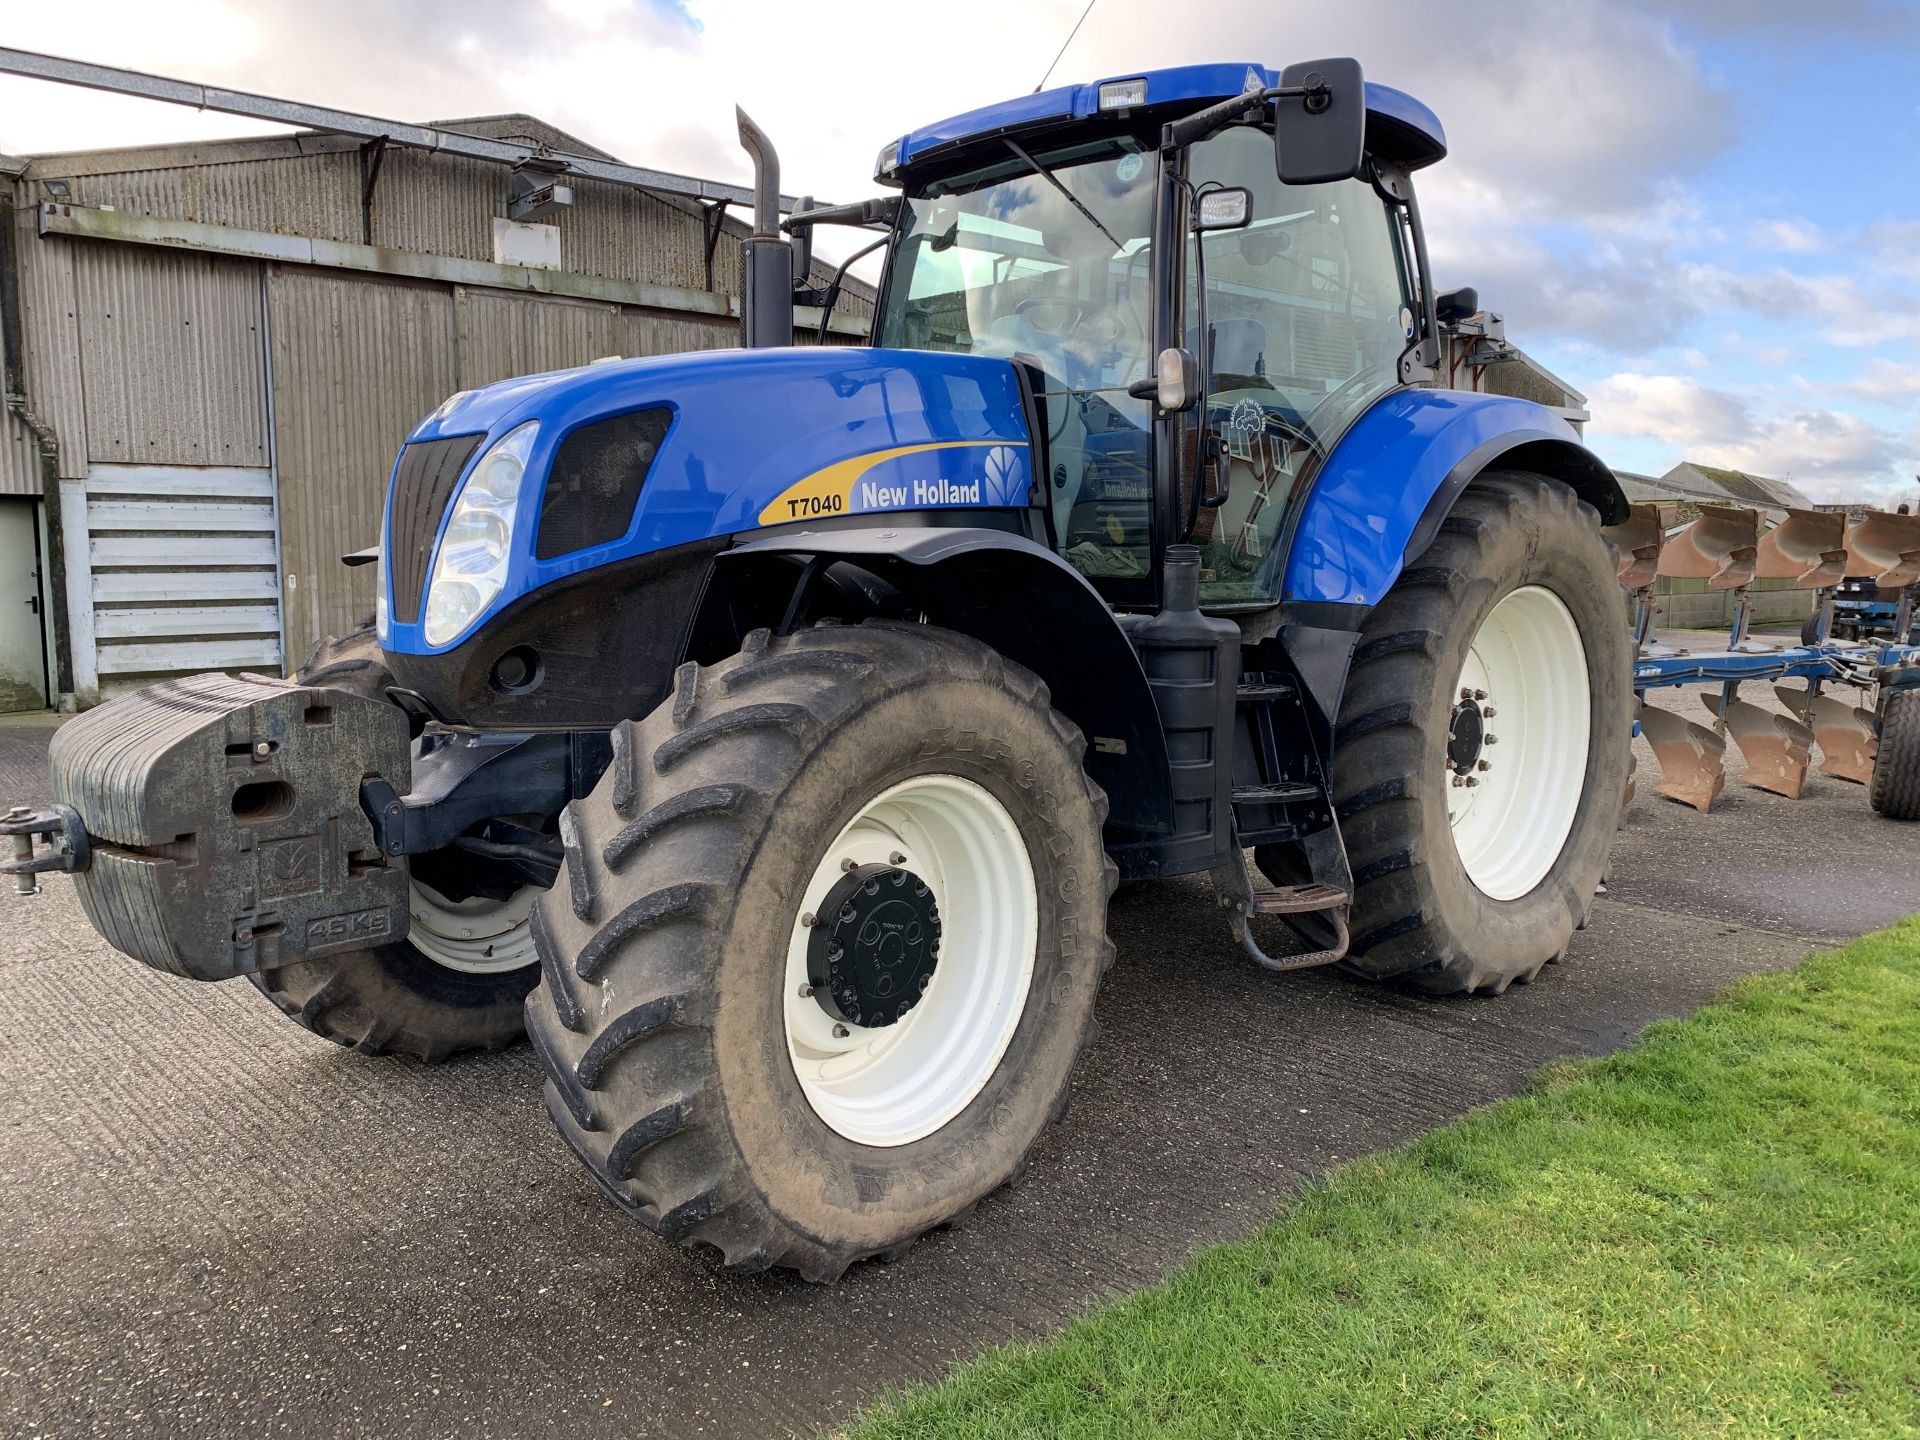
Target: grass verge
(1716,1232)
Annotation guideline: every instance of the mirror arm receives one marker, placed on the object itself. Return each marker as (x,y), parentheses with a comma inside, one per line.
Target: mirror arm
(1202,123)
(883,210)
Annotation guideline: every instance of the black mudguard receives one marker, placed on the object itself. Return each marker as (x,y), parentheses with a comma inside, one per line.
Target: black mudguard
(1031,606)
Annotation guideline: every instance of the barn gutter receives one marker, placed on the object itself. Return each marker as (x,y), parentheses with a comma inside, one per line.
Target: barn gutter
(63,71)
(89,223)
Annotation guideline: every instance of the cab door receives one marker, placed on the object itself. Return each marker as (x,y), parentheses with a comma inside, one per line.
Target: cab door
(1307,312)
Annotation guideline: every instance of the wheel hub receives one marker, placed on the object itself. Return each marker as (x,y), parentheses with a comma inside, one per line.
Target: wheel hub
(1466,736)
(874,947)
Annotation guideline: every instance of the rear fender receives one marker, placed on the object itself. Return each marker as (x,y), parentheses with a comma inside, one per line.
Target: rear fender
(1378,501)
(1008,592)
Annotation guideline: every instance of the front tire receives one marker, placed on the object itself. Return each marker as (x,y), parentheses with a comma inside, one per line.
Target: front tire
(462,987)
(1475,859)
(692,1066)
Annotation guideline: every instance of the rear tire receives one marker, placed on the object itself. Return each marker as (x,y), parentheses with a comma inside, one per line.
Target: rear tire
(1895,792)
(397,999)
(684,1058)
(1810,629)
(1518,580)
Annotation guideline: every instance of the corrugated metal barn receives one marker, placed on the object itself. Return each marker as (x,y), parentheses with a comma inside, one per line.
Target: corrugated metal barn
(214,351)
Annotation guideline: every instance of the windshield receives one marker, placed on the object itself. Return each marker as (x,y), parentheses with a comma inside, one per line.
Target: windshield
(1307,314)
(1001,262)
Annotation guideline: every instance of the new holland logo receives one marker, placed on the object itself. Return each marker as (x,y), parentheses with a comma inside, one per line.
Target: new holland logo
(842,488)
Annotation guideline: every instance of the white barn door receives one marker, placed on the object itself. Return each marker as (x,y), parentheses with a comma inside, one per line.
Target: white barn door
(171,570)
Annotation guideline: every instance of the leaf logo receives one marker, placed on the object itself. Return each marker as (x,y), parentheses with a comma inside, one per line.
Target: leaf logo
(1006,482)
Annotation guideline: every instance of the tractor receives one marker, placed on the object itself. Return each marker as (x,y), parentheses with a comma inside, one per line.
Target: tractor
(764,731)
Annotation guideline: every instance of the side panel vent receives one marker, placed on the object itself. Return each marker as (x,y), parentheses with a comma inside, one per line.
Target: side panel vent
(595,482)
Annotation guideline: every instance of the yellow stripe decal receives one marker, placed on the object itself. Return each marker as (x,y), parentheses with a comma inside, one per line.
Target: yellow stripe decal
(830,491)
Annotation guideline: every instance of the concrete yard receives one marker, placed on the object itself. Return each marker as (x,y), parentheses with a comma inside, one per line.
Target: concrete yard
(216,1223)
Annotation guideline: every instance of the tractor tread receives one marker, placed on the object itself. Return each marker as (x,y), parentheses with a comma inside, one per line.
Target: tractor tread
(630,1082)
(1895,792)
(1384,742)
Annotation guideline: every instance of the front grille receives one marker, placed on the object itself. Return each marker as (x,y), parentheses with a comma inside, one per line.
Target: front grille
(595,481)
(422,486)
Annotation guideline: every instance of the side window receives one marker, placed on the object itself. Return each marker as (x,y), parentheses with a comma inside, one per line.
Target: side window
(1305,320)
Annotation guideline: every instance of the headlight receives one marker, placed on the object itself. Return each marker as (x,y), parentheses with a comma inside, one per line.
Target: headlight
(471,567)
(381,619)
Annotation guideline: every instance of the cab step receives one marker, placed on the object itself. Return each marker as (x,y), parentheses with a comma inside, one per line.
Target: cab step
(1284,793)
(1233,886)
(1263,690)
(1297,899)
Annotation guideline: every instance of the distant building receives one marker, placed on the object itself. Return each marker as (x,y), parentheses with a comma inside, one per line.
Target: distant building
(1715,485)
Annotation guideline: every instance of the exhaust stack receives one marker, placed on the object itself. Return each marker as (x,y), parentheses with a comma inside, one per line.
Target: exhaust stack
(766,261)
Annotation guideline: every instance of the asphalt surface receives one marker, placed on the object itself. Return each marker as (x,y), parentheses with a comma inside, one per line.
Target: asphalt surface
(215,1223)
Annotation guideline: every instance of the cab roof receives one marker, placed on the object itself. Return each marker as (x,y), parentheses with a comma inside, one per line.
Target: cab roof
(1399,127)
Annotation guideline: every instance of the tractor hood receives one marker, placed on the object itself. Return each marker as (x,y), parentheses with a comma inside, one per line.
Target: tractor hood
(733,441)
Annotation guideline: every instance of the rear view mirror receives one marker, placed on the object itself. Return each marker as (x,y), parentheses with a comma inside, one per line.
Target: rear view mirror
(1320,136)
(1228,209)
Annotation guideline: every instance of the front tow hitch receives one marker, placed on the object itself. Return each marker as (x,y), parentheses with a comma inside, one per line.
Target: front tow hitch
(63,844)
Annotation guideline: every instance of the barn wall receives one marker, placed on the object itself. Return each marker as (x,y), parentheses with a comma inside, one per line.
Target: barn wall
(355,364)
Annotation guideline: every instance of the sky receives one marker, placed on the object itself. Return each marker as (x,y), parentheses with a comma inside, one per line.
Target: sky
(1703,214)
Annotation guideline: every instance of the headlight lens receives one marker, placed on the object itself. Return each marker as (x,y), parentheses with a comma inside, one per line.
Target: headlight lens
(471,568)
(381,620)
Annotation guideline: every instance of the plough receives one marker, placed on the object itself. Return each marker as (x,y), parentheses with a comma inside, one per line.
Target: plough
(1730,547)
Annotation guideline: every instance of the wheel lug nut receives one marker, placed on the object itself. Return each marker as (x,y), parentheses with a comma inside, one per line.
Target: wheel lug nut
(1470,782)
(806,992)
(896,858)
(840,1032)
(1466,693)
(1486,712)
(847,864)
(1458,781)
(809,920)
(1491,740)
(1483,765)
(1479,694)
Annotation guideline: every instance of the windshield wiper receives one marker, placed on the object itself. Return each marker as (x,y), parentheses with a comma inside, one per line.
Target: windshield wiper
(1073,200)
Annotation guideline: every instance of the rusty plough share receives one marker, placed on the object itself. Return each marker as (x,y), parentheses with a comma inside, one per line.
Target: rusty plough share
(1730,547)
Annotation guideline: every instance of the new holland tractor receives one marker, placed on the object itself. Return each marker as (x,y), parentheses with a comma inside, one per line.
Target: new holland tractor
(764,731)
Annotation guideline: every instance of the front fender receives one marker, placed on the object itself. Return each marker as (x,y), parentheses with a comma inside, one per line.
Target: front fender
(1031,606)
(1378,501)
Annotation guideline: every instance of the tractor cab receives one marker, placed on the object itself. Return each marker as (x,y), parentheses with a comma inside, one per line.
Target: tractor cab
(1105,236)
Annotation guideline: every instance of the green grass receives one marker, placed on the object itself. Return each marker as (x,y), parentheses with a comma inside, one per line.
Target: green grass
(1716,1232)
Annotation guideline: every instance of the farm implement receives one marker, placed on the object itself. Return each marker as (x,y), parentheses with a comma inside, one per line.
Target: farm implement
(1730,547)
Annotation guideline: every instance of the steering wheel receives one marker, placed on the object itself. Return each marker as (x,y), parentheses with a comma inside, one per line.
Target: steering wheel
(1067,317)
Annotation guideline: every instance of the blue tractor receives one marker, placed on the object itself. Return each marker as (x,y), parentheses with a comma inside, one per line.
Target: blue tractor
(764,731)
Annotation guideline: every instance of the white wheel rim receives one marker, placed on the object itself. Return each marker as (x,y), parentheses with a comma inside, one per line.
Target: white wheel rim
(476,935)
(1511,813)
(900,1083)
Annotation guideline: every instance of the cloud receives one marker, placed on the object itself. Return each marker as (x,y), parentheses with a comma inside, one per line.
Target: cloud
(1885,380)
(1801,237)
(1878,19)
(1830,454)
